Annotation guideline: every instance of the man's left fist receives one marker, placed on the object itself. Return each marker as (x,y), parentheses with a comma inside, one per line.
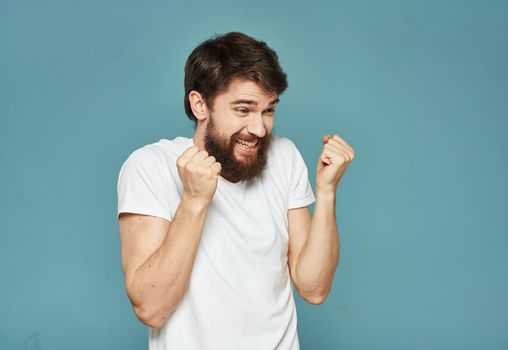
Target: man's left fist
(333,162)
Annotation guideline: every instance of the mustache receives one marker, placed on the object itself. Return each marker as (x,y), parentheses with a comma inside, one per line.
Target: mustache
(248,138)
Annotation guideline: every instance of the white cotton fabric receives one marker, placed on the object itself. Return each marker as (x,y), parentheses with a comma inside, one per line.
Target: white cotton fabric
(240,291)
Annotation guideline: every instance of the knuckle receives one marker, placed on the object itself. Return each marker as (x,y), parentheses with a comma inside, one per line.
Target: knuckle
(209,172)
(191,150)
(189,167)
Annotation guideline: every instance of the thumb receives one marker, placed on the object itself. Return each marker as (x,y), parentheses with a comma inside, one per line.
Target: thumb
(326,138)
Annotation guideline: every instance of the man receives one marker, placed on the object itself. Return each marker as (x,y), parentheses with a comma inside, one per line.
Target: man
(214,228)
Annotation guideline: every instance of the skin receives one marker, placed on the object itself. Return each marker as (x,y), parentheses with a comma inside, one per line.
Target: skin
(157,267)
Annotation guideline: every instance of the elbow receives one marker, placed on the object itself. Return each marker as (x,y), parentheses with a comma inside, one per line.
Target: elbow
(154,319)
(152,315)
(144,318)
(315,299)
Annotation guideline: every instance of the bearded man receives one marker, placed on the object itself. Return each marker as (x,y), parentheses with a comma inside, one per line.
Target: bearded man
(215,229)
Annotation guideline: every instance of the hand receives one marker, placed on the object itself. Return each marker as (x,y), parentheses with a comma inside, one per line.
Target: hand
(335,158)
(199,174)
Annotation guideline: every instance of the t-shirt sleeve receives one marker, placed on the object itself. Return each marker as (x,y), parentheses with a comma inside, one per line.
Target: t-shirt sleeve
(140,186)
(300,191)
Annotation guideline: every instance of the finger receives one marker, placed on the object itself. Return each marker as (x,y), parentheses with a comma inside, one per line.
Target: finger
(325,138)
(208,161)
(198,157)
(334,143)
(324,158)
(343,144)
(216,167)
(337,147)
(341,141)
(335,152)
(189,152)
(186,156)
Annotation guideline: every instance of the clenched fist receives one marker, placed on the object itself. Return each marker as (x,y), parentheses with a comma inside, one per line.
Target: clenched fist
(199,173)
(335,158)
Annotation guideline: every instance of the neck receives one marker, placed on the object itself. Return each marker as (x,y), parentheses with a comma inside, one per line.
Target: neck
(199,137)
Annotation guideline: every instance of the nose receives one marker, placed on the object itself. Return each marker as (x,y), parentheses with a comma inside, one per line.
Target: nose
(256,126)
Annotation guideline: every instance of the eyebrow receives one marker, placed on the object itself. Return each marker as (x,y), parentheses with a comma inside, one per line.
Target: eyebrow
(252,102)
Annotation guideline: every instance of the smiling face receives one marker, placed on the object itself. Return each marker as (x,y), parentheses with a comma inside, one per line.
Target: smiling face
(237,131)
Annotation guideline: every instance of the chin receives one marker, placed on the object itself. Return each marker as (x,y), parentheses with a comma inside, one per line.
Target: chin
(245,159)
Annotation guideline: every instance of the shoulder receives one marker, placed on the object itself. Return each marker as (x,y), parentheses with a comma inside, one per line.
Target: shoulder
(281,156)
(281,144)
(158,154)
(283,148)
(286,155)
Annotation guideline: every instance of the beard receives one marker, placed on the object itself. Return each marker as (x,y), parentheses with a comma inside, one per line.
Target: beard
(223,149)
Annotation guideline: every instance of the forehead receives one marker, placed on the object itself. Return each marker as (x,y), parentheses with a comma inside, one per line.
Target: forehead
(243,89)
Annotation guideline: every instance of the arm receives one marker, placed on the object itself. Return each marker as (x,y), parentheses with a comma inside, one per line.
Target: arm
(314,244)
(158,255)
(157,259)
(314,248)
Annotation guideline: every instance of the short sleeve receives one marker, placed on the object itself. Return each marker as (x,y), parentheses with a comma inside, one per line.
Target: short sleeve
(300,191)
(140,186)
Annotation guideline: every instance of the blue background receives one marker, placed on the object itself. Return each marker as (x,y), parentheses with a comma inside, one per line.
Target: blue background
(418,88)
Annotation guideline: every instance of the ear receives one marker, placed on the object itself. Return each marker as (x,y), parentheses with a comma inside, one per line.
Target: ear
(198,105)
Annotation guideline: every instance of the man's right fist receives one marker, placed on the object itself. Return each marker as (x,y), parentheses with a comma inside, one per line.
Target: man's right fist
(199,173)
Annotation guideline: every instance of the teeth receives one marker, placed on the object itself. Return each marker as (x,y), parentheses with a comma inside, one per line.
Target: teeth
(245,143)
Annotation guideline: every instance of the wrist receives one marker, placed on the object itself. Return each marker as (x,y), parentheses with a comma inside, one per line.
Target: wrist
(325,193)
(195,204)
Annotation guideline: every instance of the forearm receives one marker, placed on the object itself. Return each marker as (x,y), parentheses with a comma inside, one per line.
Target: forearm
(319,258)
(159,284)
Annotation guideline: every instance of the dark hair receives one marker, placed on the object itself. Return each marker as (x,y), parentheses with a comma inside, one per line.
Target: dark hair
(214,63)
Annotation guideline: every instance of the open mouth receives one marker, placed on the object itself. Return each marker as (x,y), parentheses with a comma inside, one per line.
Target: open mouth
(247,144)
(248,147)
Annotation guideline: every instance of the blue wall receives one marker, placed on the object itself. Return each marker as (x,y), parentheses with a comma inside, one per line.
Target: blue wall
(418,88)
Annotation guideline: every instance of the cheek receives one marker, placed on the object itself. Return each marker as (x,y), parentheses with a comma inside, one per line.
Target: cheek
(229,124)
(268,122)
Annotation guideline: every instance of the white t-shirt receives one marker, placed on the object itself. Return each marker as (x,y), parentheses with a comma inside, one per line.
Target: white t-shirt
(239,295)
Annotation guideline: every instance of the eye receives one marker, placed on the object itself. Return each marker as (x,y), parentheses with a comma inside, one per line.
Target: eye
(270,110)
(242,110)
